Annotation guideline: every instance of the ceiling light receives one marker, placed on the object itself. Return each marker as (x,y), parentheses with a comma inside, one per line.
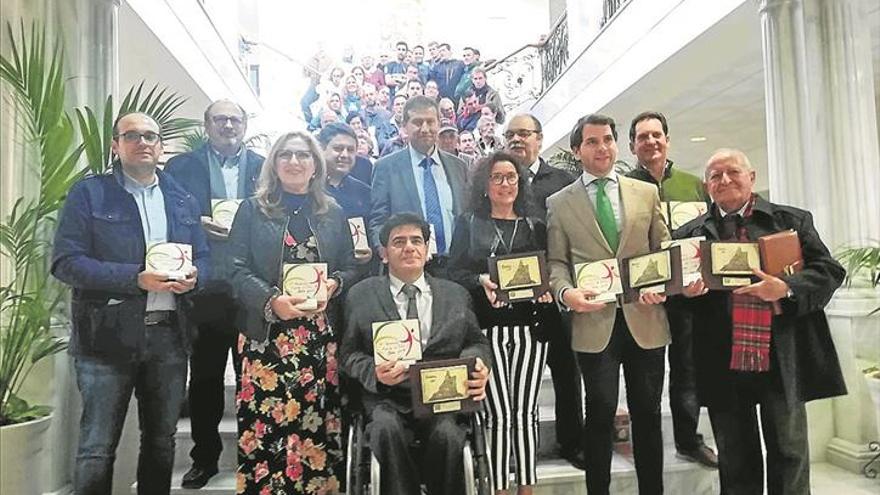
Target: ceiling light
(698,139)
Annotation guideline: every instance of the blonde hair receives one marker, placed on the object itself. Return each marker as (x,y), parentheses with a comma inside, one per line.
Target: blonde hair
(725,154)
(268,194)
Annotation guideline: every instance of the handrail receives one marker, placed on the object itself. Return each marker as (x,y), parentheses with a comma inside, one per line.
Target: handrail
(542,41)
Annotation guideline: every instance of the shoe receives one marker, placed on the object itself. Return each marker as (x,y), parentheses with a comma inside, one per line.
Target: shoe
(197,477)
(702,455)
(574,457)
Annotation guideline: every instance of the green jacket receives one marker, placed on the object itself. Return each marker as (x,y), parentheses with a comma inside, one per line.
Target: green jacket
(676,185)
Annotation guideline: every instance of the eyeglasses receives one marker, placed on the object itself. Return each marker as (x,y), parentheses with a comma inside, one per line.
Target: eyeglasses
(498,179)
(221,120)
(149,137)
(300,155)
(522,133)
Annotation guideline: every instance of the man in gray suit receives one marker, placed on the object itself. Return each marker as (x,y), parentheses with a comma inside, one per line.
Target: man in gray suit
(449,329)
(420,178)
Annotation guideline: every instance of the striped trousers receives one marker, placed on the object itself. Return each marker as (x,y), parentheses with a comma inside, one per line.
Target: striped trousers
(511,413)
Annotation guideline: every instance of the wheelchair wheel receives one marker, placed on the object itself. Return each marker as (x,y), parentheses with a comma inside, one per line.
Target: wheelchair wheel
(375,476)
(357,479)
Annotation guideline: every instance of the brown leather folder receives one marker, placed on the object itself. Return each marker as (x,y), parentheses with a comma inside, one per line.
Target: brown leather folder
(781,253)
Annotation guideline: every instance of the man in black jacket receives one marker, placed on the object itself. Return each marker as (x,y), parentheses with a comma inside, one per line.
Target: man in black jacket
(222,169)
(747,355)
(524,138)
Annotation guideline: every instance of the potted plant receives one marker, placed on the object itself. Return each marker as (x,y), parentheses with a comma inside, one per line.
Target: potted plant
(30,299)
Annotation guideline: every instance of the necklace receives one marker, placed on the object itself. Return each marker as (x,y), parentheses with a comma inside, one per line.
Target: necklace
(500,235)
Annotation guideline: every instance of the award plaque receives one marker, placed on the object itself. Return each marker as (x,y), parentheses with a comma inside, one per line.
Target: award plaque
(358,234)
(397,340)
(657,272)
(520,276)
(691,258)
(171,258)
(600,276)
(728,265)
(223,211)
(441,387)
(306,280)
(682,212)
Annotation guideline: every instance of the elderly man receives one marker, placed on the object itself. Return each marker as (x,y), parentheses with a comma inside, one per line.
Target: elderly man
(524,138)
(604,215)
(221,169)
(449,329)
(649,142)
(129,333)
(447,139)
(746,353)
(420,179)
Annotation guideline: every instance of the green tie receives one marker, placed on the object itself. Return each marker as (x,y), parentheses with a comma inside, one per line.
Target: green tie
(605,214)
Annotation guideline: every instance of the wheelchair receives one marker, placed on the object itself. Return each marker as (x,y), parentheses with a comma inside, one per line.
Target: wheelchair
(363,476)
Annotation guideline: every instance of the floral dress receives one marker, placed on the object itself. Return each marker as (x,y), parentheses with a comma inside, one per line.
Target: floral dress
(288,400)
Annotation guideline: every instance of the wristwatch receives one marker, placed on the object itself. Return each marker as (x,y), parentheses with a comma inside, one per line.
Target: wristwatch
(268,314)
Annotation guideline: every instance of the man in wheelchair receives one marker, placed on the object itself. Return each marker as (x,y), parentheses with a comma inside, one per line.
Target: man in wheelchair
(448,329)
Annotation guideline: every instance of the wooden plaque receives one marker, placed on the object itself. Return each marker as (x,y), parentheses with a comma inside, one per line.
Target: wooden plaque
(440,387)
(520,276)
(727,264)
(659,271)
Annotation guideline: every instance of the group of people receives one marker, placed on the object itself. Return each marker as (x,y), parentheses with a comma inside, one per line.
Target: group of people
(433,223)
(369,97)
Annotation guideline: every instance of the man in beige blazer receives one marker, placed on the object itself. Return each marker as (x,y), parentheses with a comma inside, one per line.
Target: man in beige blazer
(599,216)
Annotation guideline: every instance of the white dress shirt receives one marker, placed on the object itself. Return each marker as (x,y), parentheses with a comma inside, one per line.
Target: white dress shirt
(612,190)
(444,190)
(424,302)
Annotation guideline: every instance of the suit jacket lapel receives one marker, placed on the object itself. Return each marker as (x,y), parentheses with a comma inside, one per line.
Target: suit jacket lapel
(386,301)
(582,208)
(628,198)
(454,178)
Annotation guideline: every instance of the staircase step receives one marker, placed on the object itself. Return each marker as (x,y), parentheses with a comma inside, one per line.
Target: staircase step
(555,477)
(228,435)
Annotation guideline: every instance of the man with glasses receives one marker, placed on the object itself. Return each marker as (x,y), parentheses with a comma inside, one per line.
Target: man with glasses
(524,139)
(222,169)
(128,330)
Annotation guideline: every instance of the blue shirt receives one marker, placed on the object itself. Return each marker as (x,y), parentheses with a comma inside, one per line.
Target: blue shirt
(228,168)
(353,197)
(151,208)
(444,190)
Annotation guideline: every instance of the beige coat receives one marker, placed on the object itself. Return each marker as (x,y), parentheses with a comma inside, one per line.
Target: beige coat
(573,236)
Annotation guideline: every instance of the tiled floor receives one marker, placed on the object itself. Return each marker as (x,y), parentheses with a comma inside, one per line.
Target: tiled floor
(827,479)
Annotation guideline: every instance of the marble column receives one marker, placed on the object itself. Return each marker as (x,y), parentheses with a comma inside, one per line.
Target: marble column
(823,156)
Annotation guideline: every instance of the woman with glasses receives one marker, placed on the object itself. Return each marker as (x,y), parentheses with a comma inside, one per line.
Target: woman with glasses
(498,223)
(288,403)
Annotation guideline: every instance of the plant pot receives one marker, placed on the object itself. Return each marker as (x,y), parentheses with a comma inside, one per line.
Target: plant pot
(20,446)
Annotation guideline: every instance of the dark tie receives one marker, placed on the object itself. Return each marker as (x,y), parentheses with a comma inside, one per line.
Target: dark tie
(729,227)
(531,176)
(412,308)
(605,214)
(433,212)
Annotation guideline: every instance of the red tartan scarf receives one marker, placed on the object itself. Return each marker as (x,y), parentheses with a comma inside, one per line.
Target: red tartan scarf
(751,319)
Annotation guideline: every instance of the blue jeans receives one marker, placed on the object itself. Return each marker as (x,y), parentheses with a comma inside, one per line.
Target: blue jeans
(158,379)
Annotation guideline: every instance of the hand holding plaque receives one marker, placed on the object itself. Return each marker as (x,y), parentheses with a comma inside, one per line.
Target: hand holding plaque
(658,272)
(172,259)
(602,277)
(442,386)
(397,341)
(519,276)
(306,280)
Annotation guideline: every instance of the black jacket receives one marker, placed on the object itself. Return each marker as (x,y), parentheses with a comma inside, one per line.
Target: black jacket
(547,182)
(473,242)
(802,354)
(255,250)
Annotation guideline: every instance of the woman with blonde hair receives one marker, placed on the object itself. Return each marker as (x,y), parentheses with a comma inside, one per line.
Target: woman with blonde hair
(288,403)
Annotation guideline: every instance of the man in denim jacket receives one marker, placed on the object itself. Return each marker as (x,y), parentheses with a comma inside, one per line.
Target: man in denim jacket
(129,330)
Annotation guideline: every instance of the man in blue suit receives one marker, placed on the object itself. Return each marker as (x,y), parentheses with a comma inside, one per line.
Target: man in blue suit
(420,179)
(221,169)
